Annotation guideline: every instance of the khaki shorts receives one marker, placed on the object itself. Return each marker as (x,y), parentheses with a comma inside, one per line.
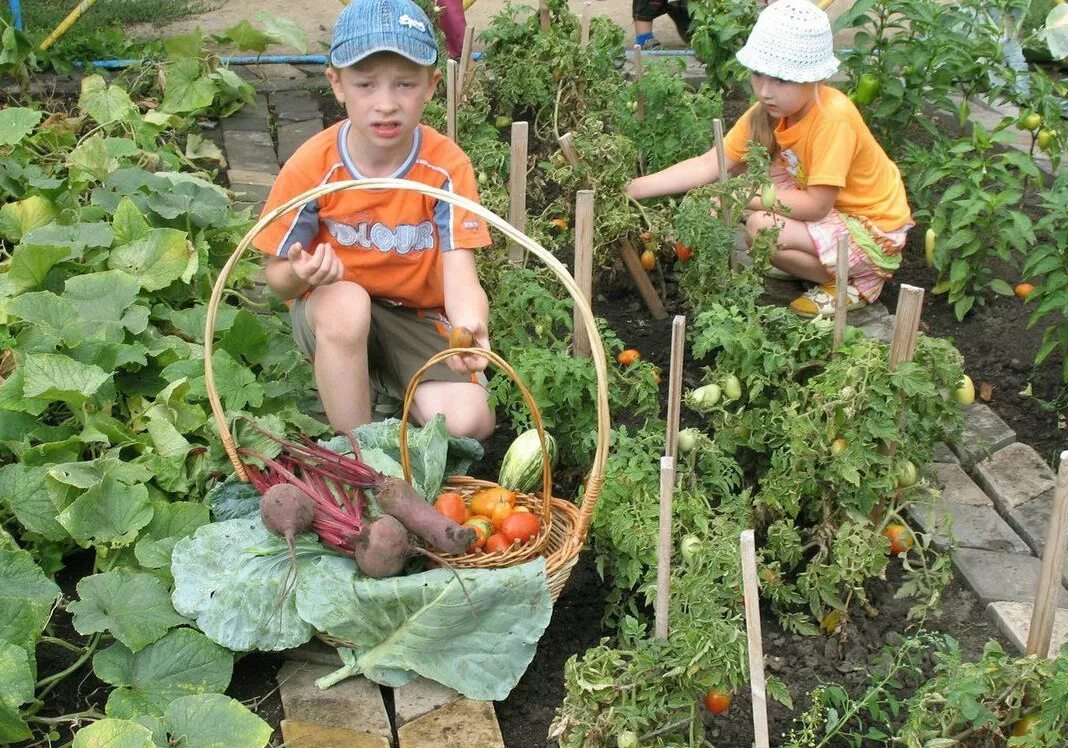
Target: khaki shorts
(401,340)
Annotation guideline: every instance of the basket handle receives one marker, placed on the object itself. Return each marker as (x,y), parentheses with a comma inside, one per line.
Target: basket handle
(500,363)
(595,479)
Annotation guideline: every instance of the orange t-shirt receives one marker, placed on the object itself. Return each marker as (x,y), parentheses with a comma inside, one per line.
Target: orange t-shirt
(390,241)
(832,145)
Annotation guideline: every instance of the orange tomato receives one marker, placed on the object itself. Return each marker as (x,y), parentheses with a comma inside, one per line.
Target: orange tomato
(461,337)
(683,252)
(1024,290)
(717,702)
(900,538)
(560,223)
(648,259)
(521,526)
(521,509)
(500,513)
(497,543)
(483,528)
(451,504)
(656,375)
(629,356)
(484,501)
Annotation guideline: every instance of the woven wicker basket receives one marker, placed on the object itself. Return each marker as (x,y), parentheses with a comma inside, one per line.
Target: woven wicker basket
(565,525)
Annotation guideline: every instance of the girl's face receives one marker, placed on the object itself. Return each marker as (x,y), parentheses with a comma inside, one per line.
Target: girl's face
(783,99)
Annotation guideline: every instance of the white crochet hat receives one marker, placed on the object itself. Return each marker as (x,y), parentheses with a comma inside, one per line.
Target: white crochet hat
(792,41)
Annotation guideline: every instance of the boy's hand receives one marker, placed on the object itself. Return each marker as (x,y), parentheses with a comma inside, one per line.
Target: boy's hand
(466,364)
(320,267)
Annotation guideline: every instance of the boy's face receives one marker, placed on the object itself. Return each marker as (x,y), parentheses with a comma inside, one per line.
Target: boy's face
(384,95)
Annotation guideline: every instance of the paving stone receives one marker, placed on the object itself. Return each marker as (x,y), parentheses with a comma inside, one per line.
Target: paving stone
(297,734)
(942,453)
(967,527)
(461,723)
(1001,576)
(984,433)
(250,151)
(879,328)
(241,176)
(252,116)
(353,704)
(956,486)
(1031,522)
(1014,620)
(249,192)
(292,135)
(315,652)
(420,697)
(294,106)
(1014,475)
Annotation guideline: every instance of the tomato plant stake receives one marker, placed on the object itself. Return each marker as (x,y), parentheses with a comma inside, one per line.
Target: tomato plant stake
(637,82)
(1038,637)
(906,324)
(674,402)
(517,186)
(721,159)
(587,13)
(543,15)
(450,99)
(465,59)
(583,265)
(841,289)
(747,548)
(663,547)
(567,147)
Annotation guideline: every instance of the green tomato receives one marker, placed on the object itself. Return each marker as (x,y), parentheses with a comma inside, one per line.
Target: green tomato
(502,121)
(627,739)
(687,440)
(965,392)
(906,474)
(838,446)
(732,387)
(1030,121)
(767,196)
(706,396)
(689,548)
(1045,137)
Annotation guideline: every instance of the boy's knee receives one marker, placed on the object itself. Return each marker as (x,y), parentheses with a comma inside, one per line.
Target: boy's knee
(340,313)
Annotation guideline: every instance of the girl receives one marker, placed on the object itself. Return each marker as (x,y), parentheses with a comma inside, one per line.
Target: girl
(832,177)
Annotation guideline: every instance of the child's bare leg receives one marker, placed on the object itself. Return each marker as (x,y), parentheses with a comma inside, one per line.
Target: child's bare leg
(340,315)
(464,404)
(796,254)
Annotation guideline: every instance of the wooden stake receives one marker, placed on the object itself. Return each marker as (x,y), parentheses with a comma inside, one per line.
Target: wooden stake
(517,188)
(543,15)
(637,81)
(583,265)
(663,547)
(841,295)
(721,160)
(674,403)
(747,545)
(641,279)
(568,148)
(587,14)
(450,99)
(1042,617)
(465,59)
(906,324)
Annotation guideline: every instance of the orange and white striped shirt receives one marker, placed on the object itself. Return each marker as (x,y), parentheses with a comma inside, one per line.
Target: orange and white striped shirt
(390,241)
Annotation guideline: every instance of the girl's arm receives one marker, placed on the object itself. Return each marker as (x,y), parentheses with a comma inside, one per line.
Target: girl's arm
(810,204)
(466,305)
(681,177)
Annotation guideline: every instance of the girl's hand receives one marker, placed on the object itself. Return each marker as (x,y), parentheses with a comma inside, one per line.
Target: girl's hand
(320,267)
(466,364)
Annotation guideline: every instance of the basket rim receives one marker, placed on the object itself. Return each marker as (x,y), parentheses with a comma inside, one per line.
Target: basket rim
(595,477)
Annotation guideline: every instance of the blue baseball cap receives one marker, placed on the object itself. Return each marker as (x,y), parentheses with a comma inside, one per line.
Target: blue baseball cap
(368,26)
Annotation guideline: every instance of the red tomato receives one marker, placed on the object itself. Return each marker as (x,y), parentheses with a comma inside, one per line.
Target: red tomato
(900,538)
(451,504)
(497,543)
(717,702)
(683,252)
(521,526)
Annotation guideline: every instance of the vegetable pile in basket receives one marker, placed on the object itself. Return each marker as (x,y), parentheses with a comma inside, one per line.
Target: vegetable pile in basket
(311,487)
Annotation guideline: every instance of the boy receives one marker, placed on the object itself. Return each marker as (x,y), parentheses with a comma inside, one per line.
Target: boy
(644,12)
(376,279)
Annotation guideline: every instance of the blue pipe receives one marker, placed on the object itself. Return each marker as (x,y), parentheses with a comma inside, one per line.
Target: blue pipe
(16,13)
(321,59)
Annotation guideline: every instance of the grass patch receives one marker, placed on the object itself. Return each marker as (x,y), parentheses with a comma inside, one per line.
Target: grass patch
(100,31)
